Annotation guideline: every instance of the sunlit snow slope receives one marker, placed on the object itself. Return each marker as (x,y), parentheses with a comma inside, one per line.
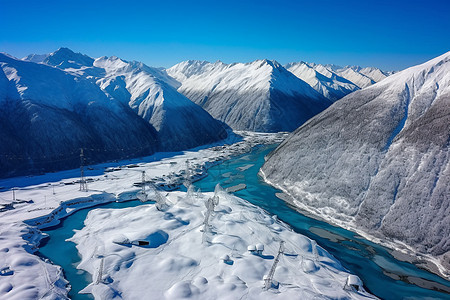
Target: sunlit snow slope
(323,80)
(180,123)
(379,159)
(257,96)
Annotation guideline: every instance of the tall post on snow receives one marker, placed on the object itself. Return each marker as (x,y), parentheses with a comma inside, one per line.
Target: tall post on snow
(268,279)
(187,177)
(83,183)
(144,194)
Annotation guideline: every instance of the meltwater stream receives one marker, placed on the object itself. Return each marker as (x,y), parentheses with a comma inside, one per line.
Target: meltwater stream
(382,274)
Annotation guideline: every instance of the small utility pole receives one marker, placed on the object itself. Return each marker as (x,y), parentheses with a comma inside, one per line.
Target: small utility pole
(144,194)
(269,278)
(187,177)
(83,183)
(14,194)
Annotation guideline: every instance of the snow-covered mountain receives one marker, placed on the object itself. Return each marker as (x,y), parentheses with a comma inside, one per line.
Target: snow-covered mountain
(373,73)
(36,58)
(378,160)
(256,96)
(323,80)
(362,77)
(180,123)
(47,115)
(69,101)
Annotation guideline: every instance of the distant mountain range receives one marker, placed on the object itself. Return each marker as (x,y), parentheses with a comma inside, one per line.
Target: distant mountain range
(378,160)
(54,104)
(111,108)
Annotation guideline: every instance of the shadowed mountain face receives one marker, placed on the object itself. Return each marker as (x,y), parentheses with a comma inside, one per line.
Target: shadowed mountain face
(111,108)
(378,159)
(258,96)
(47,115)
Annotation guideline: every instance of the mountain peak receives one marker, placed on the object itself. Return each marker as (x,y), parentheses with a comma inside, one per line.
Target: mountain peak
(64,58)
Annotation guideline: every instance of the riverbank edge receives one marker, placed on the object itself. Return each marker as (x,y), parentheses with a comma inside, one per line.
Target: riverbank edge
(407,253)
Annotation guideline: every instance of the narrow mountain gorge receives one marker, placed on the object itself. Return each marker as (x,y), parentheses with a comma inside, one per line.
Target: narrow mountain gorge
(378,160)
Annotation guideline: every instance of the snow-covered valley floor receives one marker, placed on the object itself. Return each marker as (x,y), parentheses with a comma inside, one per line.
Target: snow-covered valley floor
(183,262)
(185,259)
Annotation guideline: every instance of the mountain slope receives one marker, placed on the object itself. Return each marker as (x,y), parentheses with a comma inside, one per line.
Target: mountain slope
(149,92)
(326,82)
(379,160)
(180,123)
(257,96)
(47,115)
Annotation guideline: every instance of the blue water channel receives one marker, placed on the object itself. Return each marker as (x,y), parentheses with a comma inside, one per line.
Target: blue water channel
(382,274)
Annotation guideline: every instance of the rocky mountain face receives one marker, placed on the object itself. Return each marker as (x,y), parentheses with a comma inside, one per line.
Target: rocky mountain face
(378,160)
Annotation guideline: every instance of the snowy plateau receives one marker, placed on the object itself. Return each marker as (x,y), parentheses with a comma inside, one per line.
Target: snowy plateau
(378,161)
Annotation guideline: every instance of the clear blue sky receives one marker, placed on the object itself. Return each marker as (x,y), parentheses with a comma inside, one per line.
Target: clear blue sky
(387,34)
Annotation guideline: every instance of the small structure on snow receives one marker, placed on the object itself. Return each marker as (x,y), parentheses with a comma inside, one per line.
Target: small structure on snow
(259,249)
(353,283)
(251,249)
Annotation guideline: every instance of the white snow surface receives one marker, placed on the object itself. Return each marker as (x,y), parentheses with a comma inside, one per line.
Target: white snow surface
(378,161)
(182,262)
(257,96)
(56,195)
(36,58)
(152,94)
(323,80)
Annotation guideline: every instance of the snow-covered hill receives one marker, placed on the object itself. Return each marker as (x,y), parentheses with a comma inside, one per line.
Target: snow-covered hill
(378,160)
(182,262)
(257,96)
(323,80)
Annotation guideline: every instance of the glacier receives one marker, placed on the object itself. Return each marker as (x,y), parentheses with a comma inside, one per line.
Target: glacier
(378,161)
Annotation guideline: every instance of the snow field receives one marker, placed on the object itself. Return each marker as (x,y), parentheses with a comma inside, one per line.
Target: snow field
(179,263)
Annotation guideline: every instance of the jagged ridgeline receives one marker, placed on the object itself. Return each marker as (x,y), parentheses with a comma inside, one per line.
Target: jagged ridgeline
(379,159)
(114,109)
